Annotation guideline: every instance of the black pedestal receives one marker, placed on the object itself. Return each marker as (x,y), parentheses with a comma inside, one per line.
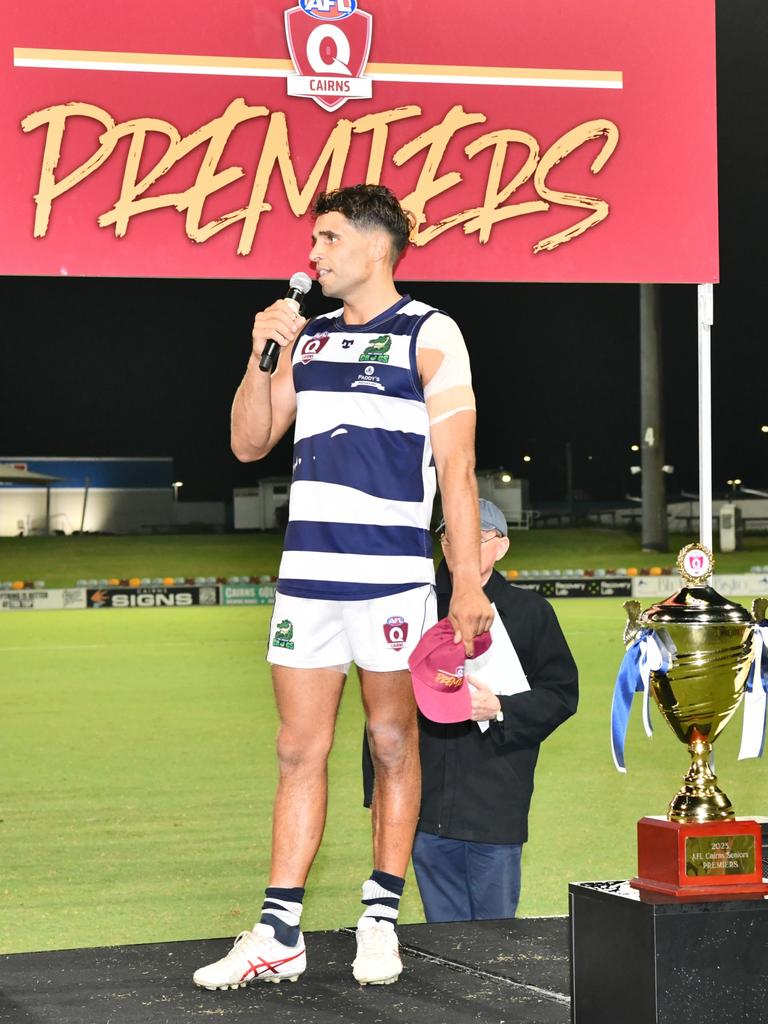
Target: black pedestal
(642,959)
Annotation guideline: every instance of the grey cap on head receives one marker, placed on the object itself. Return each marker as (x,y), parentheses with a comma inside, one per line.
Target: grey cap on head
(491,518)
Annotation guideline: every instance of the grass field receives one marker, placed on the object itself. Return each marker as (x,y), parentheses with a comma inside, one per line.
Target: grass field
(138,770)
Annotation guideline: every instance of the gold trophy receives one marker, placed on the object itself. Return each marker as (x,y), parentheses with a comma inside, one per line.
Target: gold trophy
(700,849)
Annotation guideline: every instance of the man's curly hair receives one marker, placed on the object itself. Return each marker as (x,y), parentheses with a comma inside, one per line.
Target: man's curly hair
(369,207)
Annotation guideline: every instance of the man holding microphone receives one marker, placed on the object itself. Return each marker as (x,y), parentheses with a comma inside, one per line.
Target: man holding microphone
(381,396)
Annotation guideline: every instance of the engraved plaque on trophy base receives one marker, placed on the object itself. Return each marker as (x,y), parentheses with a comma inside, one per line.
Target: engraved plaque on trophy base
(714,859)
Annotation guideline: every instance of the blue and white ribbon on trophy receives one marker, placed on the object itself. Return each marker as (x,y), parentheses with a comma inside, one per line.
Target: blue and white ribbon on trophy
(756,697)
(647,654)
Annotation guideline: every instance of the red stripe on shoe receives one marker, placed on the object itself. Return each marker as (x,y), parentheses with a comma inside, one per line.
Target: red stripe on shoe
(268,966)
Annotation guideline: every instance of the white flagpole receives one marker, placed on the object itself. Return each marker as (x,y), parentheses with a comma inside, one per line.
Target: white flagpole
(706,319)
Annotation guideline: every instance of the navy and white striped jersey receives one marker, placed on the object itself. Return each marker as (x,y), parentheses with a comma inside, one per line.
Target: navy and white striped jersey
(363,474)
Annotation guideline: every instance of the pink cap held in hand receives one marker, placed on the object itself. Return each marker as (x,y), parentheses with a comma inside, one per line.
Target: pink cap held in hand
(437,671)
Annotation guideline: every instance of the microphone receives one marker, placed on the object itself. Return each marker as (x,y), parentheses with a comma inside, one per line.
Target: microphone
(298,287)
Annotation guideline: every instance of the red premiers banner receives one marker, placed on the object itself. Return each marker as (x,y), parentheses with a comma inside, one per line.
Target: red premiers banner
(555,141)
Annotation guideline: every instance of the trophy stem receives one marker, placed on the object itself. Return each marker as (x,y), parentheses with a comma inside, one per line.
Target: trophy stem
(700,799)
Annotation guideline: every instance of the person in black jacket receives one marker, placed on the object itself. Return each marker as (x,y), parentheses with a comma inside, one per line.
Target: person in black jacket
(477,776)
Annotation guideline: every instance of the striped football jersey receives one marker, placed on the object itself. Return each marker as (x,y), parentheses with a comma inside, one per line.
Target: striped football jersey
(363,473)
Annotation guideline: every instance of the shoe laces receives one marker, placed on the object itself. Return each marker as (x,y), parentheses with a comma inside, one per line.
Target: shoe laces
(249,938)
(238,942)
(377,938)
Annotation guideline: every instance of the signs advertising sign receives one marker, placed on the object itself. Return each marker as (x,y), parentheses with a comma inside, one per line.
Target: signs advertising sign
(152,597)
(532,142)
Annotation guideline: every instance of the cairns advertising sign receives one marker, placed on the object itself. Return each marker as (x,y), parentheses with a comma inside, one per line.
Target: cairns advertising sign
(555,141)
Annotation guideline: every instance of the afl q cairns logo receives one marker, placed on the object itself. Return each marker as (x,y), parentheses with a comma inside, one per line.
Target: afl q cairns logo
(329,42)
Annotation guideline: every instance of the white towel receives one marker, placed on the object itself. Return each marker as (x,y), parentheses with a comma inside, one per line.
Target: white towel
(499,668)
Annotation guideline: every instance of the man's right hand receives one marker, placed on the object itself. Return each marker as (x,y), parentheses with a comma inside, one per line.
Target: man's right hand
(265,403)
(279,322)
(471,613)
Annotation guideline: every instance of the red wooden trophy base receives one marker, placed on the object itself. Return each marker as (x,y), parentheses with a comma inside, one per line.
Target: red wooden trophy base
(715,860)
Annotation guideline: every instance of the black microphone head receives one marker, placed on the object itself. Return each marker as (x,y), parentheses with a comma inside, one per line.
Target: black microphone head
(300,282)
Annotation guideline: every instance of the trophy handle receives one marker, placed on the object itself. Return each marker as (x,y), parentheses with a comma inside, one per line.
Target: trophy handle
(633,629)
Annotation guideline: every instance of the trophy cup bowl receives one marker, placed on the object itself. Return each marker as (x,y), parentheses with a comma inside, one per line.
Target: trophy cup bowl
(709,640)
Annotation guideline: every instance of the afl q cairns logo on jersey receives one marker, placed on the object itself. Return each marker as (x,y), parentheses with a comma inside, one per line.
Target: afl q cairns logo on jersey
(312,346)
(329,42)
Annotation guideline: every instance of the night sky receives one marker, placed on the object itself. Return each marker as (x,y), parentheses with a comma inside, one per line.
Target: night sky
(149,367)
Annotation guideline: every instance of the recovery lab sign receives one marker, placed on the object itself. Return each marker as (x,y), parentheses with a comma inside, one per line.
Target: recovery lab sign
(606,586)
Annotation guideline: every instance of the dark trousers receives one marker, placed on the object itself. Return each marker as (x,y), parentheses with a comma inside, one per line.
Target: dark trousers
(464,881)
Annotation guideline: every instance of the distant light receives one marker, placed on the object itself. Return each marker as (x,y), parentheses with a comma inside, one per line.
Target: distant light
(526,458)
(634,470)
(177,483)
(506,478)
(635,448)
(667,469)
(764,428)
(589,458)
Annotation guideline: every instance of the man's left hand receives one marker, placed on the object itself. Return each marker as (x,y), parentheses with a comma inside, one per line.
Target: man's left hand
(485,704)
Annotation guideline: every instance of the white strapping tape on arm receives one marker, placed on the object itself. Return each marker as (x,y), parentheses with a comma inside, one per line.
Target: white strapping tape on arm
(449,390)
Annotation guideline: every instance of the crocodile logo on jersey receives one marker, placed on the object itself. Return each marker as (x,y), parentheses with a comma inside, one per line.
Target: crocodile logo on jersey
(312,346)
(377,351)
(395,632)
(283,635)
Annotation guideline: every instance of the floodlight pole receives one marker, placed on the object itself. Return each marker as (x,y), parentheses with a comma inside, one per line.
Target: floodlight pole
(706,319)
(655,531)
(569,495)
(85,503)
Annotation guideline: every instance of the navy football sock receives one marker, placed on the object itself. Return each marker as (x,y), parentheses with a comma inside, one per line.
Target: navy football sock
(282,910)
(381,896)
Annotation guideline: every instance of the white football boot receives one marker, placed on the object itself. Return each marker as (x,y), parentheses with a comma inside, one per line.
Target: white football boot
(255,956)
(378,954)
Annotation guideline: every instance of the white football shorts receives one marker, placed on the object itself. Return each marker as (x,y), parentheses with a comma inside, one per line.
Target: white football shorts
(377,635)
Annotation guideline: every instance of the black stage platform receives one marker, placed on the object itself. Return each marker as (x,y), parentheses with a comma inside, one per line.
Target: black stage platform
(515,972)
